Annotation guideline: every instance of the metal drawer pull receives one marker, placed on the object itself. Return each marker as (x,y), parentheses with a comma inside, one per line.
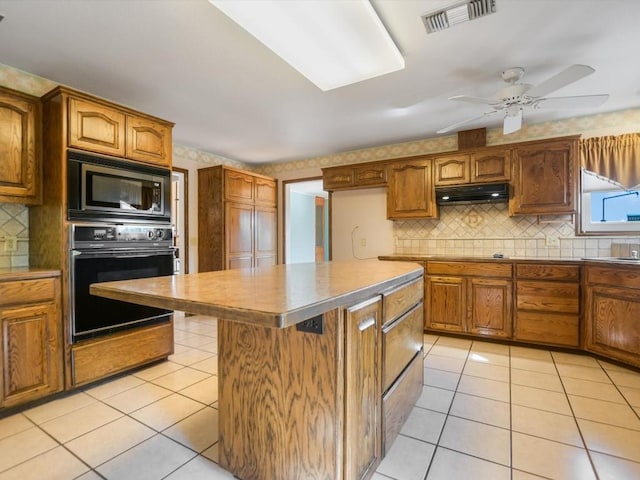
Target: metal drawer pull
(364,324)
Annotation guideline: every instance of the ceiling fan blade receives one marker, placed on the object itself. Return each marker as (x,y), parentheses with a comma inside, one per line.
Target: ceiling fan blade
(565,77)
(579,101)
(512,123)
(464,122)
(467,98)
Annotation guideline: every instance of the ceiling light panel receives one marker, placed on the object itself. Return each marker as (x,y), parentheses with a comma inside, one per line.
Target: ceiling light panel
(332,43)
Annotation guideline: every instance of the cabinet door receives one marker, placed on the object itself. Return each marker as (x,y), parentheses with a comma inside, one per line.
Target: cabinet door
(446,303)
(451,170)
(20,171)
(370,175)
(410,193)
(362,394)
(148,141)
(266,192)
(266,236)
(28,360)
(490,167)
(613,328)
(543,179)
(490,307)
(96,128)
(239,235)
(238,186)
(338,178)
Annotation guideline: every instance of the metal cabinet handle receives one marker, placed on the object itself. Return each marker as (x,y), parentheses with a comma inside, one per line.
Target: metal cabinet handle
(366,323)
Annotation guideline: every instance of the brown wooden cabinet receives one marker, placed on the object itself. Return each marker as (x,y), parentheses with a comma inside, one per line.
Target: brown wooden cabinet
(31,340)
(237,219)
(410,191)
(612,312)
(483,166)
(109,129)
(548,304)
(76,120)
(544,178)
(365,175)
(469,297)
(362,393)
(20,148)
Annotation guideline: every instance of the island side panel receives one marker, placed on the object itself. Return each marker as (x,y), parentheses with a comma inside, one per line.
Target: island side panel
(281,396)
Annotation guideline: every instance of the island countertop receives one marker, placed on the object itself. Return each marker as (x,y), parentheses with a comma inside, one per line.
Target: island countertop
(279,296)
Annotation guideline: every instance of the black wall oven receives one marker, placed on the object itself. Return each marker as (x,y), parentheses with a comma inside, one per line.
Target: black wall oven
(103,253)
(109,189)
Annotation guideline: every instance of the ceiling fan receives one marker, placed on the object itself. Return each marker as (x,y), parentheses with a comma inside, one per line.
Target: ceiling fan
(513,98)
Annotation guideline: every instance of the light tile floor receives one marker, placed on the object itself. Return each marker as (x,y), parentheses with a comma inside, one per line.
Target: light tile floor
(487,411)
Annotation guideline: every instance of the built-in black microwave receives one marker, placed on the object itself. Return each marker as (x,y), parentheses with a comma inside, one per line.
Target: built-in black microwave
(110,189)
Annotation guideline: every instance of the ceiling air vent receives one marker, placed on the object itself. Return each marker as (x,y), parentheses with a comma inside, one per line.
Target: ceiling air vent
(462,12)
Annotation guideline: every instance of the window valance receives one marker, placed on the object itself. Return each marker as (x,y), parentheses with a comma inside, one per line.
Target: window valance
(614,157)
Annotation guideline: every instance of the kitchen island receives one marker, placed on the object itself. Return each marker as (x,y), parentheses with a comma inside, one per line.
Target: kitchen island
(319,364)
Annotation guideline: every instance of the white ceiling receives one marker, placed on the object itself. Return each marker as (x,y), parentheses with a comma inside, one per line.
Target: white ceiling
(183,60)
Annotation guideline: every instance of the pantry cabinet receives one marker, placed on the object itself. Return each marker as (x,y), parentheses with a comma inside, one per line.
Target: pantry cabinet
(20,148)
(237,219)
(410,192)
(30,339)
(469,297)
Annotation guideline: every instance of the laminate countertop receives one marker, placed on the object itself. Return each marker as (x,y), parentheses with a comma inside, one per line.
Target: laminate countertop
(278,296)
(462,258)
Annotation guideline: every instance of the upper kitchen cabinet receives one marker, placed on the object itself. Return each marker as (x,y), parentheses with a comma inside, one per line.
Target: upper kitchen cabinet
(544,177)
(410,190)
(367,175)
(237,219)
(102,127)
(482,166)
(148,141)
(20,148)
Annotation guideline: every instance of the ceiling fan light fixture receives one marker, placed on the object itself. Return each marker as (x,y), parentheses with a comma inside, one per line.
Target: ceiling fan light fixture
(331,43)
(458,13)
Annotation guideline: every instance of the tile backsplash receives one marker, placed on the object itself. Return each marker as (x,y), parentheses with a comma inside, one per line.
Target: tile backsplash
(14,222)
(485,229)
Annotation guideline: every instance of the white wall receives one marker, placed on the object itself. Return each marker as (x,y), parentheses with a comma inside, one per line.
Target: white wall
(301,226)
(367,210)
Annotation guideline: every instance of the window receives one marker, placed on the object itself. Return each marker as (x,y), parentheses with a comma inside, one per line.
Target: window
(607,207)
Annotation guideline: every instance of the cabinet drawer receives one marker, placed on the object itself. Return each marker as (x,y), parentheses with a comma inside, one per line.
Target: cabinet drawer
(400,342)
(96,360)
(400,399)
(27,291)
(398,301)
(548,328)
(618,276)
(479,269)
(548,272)
(548,296)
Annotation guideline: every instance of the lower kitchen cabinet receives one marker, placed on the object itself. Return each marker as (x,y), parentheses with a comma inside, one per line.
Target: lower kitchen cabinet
(362,392)
(469,297)
(548,304)
(613,312)
(31,340)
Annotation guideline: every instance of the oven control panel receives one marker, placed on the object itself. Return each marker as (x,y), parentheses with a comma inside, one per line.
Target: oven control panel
(120,236)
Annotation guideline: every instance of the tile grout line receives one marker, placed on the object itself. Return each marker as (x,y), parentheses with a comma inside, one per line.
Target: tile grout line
(575,419)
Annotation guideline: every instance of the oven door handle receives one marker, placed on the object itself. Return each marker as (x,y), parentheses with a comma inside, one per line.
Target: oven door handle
(103,254)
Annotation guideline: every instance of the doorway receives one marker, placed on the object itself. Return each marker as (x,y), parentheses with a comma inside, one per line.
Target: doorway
(306,221)
(180,218)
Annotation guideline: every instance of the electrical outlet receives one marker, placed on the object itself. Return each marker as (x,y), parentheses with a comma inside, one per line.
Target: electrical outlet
(363,242)
(552,242)
(312,325)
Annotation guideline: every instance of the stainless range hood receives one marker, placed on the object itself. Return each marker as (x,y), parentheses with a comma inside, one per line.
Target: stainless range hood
(467,194)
